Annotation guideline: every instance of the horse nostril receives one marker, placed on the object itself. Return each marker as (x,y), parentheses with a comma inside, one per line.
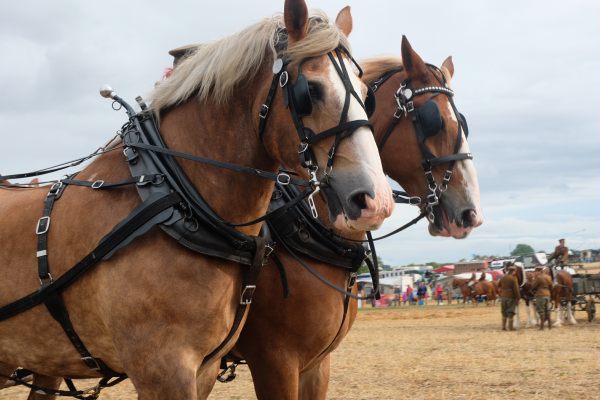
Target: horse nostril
(468,218)
(359,200)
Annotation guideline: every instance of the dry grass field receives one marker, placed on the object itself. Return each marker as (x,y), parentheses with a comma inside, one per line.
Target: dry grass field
(443,352)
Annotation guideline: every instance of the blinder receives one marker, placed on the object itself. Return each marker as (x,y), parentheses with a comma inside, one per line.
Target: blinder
(303,101)
(301,96)
(430,118)
(370,102)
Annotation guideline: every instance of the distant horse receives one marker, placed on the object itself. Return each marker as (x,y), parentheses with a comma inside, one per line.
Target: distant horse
(138,311)
(562,296)
(485,288)
(466,287)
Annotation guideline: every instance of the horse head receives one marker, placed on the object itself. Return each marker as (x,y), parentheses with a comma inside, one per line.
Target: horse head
(313,121)
(441,171)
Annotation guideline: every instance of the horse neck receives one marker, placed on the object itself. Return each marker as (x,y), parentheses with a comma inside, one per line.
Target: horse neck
(215,132)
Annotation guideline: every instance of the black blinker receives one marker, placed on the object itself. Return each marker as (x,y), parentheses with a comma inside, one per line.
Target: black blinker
(430,118)
(301,96)
(370,102)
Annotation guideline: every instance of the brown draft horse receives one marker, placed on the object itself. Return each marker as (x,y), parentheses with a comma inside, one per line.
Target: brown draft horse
(155,310)
(562,294)
(287,342)
(485,288)
(465,287)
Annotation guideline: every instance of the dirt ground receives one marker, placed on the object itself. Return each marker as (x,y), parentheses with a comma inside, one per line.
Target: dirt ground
(443,352)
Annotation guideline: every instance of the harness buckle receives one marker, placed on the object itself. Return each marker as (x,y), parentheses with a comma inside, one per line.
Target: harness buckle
(54,188)
(283,79)
(311,203)
(97,184)
(42,225)
(351,281)
(247,293)
(302,147)
(46,281)
(130,154)
(400,111)
(283,179)
(91,363)
(269,249)
(264,110)
(143,181)
(410,107)
(432,199)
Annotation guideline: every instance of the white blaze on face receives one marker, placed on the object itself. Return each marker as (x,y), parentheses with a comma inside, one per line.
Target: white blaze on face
(361,150)
(467,171)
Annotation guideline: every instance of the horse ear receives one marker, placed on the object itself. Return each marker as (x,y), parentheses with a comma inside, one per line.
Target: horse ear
(344,21)
(295,16)
(448,67)
(413,63)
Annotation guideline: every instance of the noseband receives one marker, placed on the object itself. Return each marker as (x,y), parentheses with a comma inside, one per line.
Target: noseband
(298,100)
(427,122)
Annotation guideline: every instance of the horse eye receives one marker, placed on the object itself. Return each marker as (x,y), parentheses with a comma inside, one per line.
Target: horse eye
(315,90)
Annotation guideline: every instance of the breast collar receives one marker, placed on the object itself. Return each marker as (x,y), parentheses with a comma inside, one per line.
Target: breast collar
(308,236)
(194,224)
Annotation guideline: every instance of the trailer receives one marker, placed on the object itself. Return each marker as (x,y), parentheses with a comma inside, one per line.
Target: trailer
(586,293)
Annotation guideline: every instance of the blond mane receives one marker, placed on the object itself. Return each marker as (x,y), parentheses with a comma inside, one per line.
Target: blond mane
(373,68)
(215,69)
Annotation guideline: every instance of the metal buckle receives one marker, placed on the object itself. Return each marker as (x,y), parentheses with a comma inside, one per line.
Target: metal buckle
(247,293)
(283,179)
(311,203)
(46,281)
(39,230)
(54,188)
(264,110)
(410,106)
(432,199)
(142,181)
(269,249)
(302,147)
(351,281)
(399,112)
(283,79)
(91,360)
(97,184)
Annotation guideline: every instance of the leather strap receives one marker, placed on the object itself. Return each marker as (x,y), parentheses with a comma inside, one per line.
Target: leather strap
(138,218)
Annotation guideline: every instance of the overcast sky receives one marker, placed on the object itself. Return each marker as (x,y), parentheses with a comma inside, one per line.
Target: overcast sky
(527,76)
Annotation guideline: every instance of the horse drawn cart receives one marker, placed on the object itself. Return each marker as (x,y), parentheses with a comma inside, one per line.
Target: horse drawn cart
(586,293)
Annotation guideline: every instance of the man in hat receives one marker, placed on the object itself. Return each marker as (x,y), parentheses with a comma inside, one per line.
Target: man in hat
(561,254)
(509,296)
(542,287)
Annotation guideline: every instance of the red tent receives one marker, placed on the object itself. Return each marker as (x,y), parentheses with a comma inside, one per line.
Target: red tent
(444,268)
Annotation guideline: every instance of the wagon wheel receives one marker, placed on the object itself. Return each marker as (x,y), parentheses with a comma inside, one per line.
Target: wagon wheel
(581,301)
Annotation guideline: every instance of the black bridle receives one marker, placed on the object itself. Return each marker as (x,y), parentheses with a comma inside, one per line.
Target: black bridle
(298,100)
(426,125)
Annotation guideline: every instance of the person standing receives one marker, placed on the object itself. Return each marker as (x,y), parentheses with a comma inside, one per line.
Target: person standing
(409,294)
(542,287)
(421,293)
(561,254)
(439,293)
(509,297)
